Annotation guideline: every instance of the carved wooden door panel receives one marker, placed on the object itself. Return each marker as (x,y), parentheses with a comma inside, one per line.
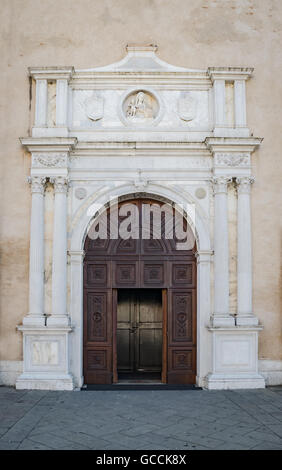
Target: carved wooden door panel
(97,323)
(182,323)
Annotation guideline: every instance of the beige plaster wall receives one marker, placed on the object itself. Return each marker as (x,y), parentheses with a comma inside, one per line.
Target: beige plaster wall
(190,33)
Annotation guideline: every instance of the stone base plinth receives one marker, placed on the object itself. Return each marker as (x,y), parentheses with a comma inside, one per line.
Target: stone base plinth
(234,359)
(46,361)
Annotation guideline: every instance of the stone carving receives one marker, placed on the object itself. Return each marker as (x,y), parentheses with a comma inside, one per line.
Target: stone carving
(230,159)
(94,107)
(49,160)
(186,107)
(220,184)
(80,193)
(140,183)
(37,184)
(200,193)
(60,184)
(244,184)
(140,106)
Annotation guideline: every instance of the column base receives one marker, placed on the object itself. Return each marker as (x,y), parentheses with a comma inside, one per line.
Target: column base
(246,320)
(218,320)
(58,320)
(234,381)
(34,319)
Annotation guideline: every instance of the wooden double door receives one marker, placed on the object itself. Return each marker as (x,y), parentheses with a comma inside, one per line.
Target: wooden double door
(139,309)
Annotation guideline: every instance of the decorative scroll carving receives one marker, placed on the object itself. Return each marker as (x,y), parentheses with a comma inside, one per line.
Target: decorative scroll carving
(49,160)
(244,184)
(97,317)
(182,311)
(232,159)
(37,184)
(186,107)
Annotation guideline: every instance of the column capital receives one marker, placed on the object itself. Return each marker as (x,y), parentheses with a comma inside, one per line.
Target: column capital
(220,184)
(204,256)
(244,184)
(37,184)
(61,184)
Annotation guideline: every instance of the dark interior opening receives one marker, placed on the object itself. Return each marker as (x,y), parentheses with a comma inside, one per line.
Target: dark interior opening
(139,334)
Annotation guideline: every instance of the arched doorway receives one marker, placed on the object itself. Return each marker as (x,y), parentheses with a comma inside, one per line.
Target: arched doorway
(139,299)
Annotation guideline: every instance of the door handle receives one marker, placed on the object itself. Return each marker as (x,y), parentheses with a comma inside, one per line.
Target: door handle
(133,328)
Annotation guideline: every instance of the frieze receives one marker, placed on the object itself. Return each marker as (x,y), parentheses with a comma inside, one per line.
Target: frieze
(48,160)
(230,159)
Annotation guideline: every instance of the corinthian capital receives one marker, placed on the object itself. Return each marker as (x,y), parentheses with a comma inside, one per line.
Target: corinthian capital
(60,184)
(37,184)
(220,184)
(244,184)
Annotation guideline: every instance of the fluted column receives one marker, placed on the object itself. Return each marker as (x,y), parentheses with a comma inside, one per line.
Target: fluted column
(59,315)
(221,316)
(245,314)
(36,255)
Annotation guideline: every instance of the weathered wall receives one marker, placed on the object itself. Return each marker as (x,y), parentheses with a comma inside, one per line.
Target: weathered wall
(189,33)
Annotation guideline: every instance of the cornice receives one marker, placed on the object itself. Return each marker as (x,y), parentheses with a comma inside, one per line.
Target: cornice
(146,149)
(232,144)
(51,73)
(198,80)
(44,144)
(230,73)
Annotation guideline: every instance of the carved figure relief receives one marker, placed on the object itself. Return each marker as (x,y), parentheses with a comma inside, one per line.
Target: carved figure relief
(186,107)
(140,106)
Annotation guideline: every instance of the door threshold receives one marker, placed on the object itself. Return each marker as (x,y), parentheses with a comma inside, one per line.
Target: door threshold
(139,386)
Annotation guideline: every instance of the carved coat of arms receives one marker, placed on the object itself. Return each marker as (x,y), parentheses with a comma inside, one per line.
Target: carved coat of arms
(94,107)
(186,107)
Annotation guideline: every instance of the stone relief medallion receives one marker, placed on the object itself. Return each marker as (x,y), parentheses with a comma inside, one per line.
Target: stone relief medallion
(80,193)
(140,107)
(200,193)
(186,107)
(94,107)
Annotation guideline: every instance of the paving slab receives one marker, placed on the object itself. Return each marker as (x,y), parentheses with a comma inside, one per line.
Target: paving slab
(147,419)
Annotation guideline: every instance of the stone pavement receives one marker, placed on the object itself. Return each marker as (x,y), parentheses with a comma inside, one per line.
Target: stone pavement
(157,420)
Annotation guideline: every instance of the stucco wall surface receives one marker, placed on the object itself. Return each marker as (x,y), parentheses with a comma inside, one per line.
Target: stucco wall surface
(189,33)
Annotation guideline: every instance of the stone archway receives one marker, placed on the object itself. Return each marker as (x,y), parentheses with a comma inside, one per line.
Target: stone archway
(138,263)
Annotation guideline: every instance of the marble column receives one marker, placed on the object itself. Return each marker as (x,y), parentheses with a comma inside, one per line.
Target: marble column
(36,315)
(221,316)
(59,315)
(245,314)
